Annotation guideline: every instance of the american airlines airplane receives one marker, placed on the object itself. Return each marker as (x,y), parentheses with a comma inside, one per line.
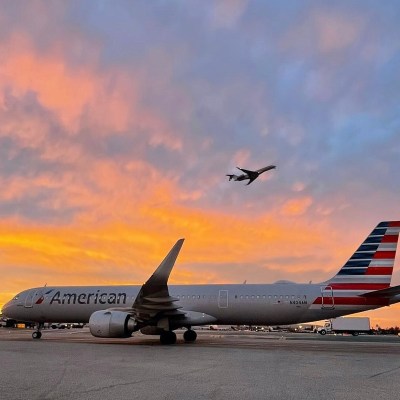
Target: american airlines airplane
(156,308)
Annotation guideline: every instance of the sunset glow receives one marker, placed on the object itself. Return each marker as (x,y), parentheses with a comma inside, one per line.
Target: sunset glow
(119,122)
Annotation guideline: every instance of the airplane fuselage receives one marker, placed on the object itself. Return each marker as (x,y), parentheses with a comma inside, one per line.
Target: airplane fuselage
(258,304)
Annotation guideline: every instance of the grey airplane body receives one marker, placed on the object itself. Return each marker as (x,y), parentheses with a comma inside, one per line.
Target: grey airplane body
(363,283)
(249,175)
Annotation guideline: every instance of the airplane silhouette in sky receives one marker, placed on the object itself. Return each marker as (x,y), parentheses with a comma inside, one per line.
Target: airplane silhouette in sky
(250,175)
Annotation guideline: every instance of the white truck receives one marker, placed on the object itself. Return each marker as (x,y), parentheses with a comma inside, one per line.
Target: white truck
(353,325)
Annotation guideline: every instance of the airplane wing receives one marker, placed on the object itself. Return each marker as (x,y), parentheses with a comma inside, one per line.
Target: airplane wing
(155,306)
(265,169)
(153,300)
(251,174)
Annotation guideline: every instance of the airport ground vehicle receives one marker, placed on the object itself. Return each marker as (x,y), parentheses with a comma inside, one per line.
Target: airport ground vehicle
(353,325)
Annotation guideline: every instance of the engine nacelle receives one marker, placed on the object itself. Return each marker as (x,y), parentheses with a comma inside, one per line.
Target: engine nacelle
(111,324)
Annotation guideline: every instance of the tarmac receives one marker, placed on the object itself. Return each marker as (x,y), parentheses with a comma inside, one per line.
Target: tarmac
(71,364)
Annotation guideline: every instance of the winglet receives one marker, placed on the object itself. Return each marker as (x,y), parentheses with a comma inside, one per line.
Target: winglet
(154,297)
(161,274)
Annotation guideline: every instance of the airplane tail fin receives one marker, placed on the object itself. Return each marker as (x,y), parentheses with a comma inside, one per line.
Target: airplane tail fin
(371,266)
(231,176)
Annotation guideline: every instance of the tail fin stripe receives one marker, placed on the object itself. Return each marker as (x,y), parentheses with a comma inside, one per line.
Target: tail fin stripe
(356,279)
(353,271)
(385,254)
(374,239)
(387,247)
(380,271)
(390,239)
(356,286)
(369,247)
(356,263)
(384,263)
(362,256)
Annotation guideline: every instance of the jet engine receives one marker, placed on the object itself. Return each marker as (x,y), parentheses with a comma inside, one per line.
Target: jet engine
(111,324)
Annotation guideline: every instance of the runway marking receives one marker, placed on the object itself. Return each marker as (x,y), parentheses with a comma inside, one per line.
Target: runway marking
(385,372)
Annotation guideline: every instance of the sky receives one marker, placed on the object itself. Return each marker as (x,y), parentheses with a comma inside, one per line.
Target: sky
(120,119)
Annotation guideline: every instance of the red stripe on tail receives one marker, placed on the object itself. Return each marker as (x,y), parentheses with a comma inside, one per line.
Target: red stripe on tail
(384,254)
(379,271)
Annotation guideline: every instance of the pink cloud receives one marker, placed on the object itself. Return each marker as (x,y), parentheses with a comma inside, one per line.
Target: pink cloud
(295,207)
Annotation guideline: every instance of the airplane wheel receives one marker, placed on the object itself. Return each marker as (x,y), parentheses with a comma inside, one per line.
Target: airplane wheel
(36,335)
(168,337)
(190,336)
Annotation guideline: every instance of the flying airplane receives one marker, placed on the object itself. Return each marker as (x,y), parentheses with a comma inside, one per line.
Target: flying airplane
(156,308)
(251,175)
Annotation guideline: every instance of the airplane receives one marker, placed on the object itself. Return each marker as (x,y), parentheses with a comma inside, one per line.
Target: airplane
(251,175)
(156,308)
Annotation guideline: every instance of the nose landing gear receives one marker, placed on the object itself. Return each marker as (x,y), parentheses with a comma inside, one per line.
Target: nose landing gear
(37,334)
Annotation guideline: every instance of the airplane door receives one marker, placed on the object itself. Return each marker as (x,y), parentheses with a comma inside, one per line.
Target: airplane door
(223,299)
(29,299)
(328,301)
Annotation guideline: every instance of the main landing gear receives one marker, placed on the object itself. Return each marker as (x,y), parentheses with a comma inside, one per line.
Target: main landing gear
(169,337)
(37,334)
(190,336)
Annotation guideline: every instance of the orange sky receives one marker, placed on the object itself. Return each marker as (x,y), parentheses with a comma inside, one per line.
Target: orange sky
(110,152)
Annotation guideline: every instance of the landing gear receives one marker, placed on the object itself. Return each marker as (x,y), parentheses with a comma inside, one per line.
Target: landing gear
(190,335)
(168,337)
(37,334)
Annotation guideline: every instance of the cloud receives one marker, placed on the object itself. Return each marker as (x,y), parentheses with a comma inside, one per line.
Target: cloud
(295,207)
(119,124)
(226,13)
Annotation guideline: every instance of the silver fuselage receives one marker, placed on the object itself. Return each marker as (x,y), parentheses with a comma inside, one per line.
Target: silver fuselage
(259,304)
